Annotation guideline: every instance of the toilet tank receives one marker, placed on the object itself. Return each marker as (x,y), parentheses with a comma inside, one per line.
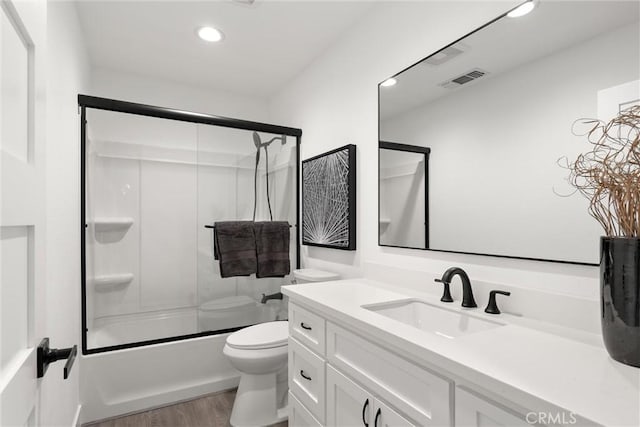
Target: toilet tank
(308,275)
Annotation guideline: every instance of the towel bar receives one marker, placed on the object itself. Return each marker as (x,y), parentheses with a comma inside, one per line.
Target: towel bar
(213,226)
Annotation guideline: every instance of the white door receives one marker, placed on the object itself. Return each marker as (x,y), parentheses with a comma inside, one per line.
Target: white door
(22,216)
(348,404)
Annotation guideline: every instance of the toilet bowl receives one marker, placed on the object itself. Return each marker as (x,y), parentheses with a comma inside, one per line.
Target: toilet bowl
(260,353)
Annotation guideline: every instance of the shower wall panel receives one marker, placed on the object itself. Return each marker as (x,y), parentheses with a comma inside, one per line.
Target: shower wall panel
(168,235)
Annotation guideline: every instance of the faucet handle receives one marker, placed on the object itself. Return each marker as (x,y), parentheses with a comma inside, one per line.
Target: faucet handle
(492,307)
(446,295)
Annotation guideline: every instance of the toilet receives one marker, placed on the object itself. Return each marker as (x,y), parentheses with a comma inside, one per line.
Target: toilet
(260,353)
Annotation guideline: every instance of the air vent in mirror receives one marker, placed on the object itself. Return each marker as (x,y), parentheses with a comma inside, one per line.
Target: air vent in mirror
(467,77)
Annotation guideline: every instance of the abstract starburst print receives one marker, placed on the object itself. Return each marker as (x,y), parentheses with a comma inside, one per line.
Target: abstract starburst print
(326,200)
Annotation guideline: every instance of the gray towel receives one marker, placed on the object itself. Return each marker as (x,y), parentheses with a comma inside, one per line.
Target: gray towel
(272,246)
(234,244)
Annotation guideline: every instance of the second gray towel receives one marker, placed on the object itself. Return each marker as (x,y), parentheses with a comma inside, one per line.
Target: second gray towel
(272,247)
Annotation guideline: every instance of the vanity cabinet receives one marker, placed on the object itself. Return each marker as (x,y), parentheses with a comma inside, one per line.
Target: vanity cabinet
(338,378)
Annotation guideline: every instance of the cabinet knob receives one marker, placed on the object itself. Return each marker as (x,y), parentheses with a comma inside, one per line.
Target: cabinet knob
(492,307)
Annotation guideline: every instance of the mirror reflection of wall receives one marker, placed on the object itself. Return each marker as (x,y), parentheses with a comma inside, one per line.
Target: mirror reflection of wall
(403,195)
(497,109)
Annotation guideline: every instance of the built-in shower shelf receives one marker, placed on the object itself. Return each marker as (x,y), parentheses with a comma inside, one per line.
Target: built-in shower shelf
(107,282)
(112,223)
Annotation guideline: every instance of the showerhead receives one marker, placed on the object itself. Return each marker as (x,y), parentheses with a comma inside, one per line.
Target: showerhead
(256,140)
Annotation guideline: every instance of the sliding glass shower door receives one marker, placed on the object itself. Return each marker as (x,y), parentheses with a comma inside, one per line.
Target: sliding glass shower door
(152,187)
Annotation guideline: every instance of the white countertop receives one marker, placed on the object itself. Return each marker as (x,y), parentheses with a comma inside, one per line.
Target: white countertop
(530,366)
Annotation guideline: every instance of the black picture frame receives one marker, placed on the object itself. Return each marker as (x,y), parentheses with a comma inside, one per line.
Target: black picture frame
(330,222)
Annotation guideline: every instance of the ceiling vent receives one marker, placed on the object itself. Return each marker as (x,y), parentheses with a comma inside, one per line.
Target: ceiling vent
(445,55)
(245,2)
(467,77)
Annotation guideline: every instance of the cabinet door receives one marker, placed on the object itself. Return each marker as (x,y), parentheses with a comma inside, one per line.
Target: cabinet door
(387,417)
(299,416)
(473,411)
(348,404)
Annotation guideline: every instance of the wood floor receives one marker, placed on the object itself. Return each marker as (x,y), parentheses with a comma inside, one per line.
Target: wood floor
(212,410)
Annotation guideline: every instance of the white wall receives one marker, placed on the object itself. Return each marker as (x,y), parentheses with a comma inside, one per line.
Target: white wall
(502,162)
(335,102)
(163,93)
(67,75)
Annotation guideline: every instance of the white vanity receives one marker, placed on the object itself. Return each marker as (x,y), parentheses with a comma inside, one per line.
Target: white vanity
(363,355)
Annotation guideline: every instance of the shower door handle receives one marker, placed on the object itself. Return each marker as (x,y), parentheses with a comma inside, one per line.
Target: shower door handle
(47,355)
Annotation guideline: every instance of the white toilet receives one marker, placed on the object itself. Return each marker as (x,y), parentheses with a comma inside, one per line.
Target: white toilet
(260,353)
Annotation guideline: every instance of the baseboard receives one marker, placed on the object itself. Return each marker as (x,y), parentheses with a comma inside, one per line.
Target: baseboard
(163,405)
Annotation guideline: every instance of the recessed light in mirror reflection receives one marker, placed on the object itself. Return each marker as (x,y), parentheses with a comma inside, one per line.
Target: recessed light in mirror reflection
(210,34)
(389,82)
(522,10)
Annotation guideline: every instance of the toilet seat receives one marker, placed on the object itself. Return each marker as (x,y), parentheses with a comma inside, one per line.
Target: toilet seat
(262,336)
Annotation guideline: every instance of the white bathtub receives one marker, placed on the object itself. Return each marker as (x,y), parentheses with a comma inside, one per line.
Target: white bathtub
(132,328)
(124,381)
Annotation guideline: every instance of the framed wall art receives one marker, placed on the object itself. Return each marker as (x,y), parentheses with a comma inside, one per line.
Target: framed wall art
(329,199)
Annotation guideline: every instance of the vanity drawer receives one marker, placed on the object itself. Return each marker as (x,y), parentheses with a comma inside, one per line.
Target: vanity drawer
(308,328)
(299,416)
(415,391)
(307,378)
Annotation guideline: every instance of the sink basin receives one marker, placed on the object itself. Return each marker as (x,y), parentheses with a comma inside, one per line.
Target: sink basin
(432,318)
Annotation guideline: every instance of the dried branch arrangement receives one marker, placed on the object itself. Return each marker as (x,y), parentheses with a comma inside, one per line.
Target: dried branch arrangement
(609,174)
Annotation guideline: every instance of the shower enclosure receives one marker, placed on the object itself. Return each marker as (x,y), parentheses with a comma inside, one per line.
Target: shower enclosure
(154,181)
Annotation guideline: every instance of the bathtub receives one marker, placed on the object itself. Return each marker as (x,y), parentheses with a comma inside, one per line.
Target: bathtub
(131,380)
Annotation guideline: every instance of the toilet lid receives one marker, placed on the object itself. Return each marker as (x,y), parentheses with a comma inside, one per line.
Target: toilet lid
(264,335)
(228,303)
(313,275)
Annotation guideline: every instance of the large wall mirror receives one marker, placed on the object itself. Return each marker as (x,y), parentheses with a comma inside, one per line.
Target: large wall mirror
(497,109)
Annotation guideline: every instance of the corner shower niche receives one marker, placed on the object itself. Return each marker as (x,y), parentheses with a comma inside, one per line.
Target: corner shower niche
(151,186)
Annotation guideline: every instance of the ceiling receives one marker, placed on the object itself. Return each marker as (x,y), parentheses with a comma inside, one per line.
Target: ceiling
(266,44)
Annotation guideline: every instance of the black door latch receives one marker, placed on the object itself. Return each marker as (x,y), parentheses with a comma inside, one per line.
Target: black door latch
(48,355)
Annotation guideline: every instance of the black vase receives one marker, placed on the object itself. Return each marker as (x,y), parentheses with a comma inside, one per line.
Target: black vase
(620,297)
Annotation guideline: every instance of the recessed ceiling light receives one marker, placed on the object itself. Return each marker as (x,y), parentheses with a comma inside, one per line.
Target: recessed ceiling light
(389,82)
(522,10)
(210,34)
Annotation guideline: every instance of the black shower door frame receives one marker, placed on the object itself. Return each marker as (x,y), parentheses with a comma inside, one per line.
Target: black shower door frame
(85,102)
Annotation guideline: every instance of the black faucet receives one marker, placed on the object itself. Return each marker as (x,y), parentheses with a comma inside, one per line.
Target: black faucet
(265,298)
(467,292)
